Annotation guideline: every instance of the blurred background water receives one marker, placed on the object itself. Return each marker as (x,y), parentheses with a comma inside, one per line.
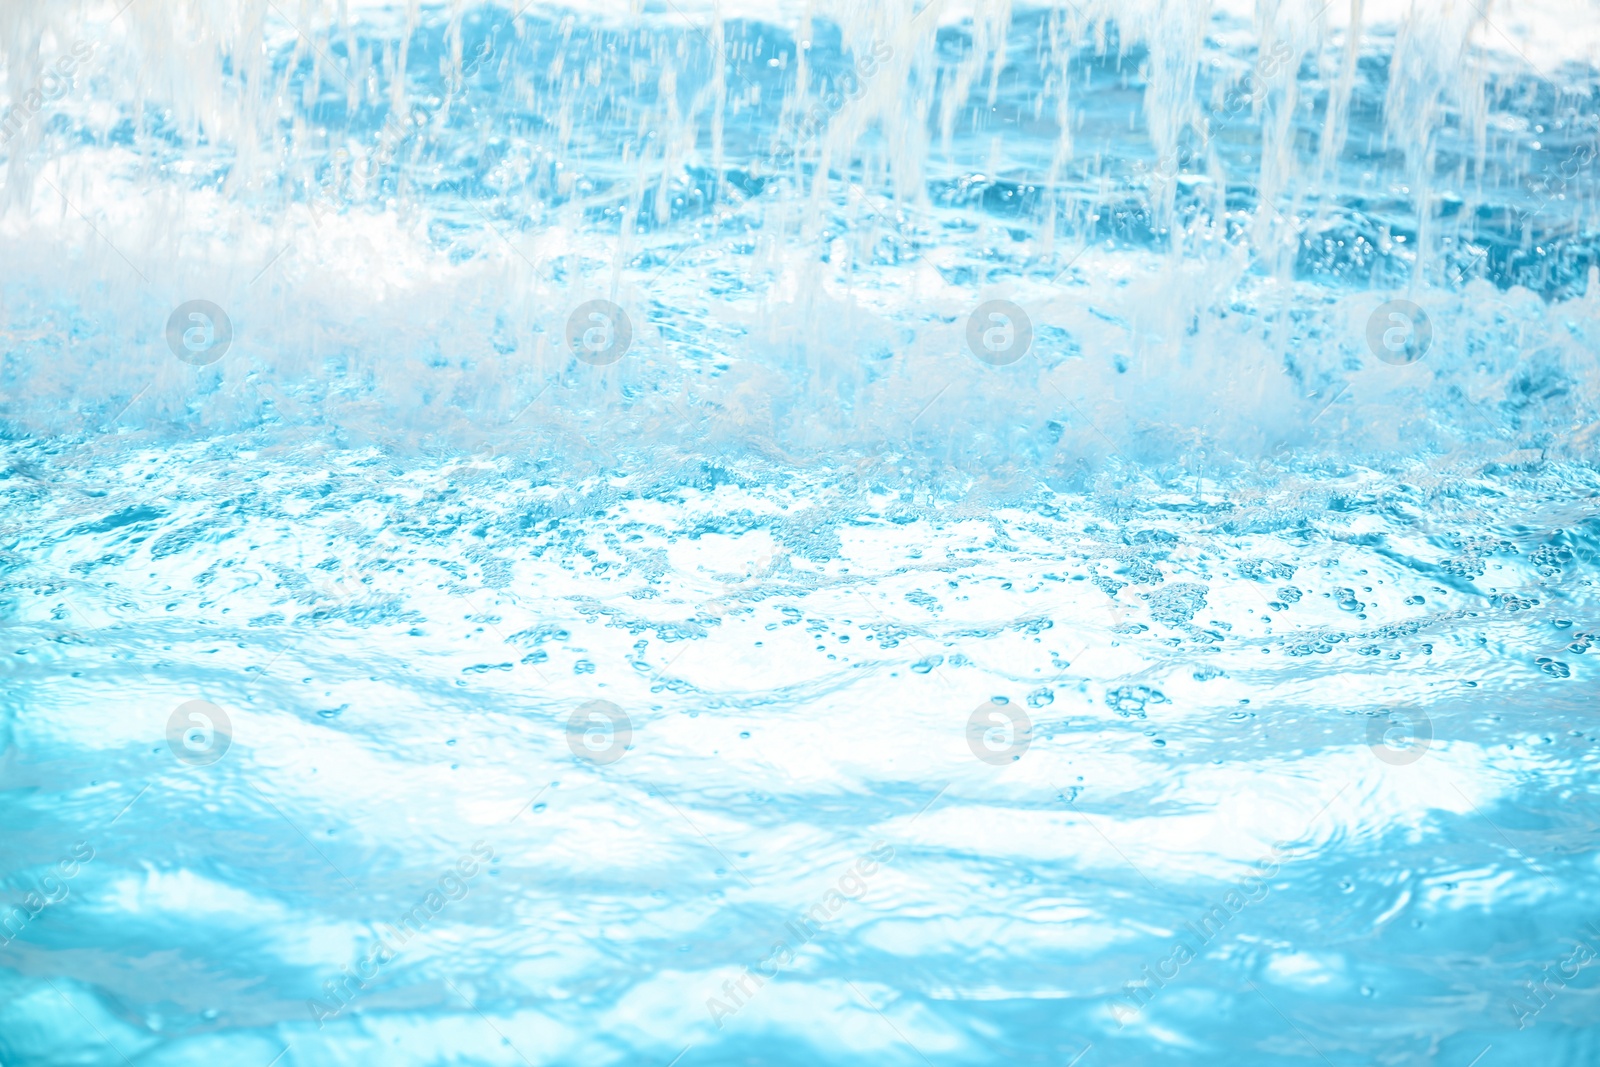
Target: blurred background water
(745,533)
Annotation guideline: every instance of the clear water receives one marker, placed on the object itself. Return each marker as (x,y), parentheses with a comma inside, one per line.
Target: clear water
(393,676)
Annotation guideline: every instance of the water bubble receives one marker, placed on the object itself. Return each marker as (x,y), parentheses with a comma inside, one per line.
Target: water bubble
(1553,667)
(1399,332)
(199,332)
(199,733)
(1400,737)
(999,333)
(599,732)
(599,332)
(998,733)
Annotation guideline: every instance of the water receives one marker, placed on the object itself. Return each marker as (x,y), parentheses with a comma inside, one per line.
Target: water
(405,666)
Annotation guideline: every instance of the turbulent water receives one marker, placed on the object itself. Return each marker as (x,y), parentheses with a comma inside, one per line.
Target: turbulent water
(778,534)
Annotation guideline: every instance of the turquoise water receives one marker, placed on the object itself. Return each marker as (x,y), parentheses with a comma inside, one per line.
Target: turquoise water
(768,535)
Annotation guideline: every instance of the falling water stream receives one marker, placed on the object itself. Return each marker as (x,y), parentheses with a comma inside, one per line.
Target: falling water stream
(685,533)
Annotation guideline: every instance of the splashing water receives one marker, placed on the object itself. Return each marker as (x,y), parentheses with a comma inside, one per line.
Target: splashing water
(832,533)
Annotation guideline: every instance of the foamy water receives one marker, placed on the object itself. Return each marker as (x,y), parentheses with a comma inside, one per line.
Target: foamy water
(773,534)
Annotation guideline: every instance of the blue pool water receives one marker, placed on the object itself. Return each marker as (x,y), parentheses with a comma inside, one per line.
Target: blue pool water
(772,534)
